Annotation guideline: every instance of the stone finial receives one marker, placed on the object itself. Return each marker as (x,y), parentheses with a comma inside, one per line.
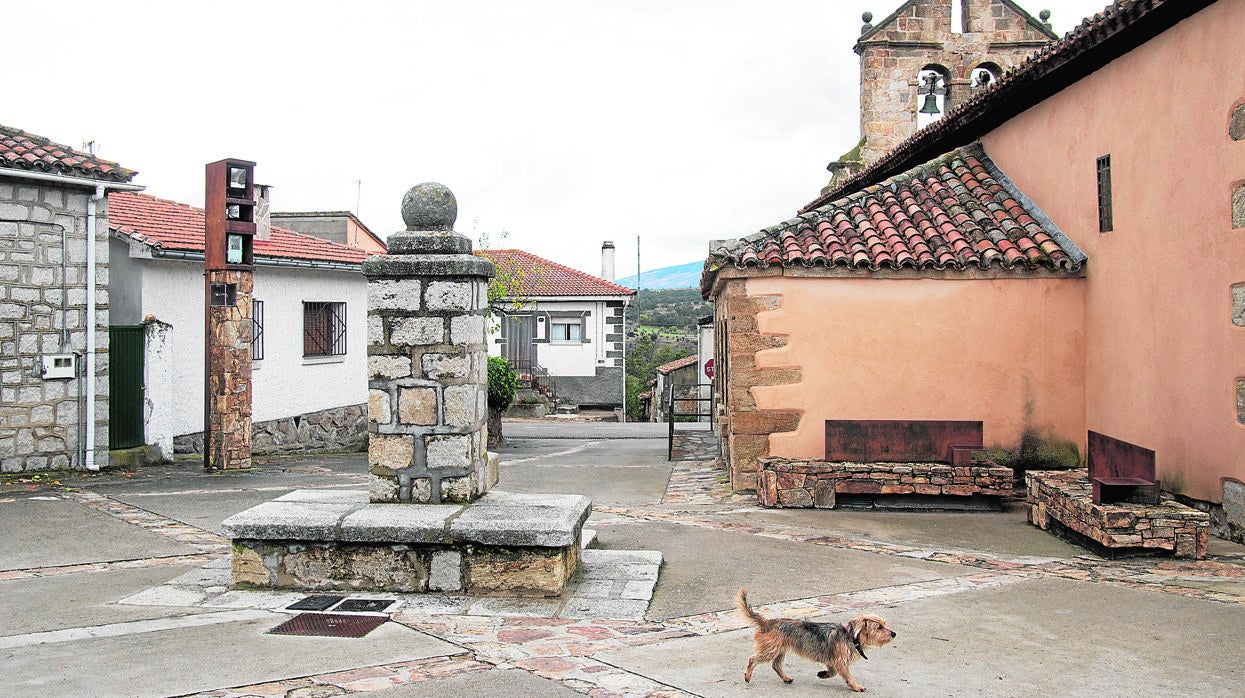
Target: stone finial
(867,17)
(429,206)
(1044,15)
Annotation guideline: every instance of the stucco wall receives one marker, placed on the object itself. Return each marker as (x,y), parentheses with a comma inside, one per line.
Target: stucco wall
(284,383)
(1007,352)
(1163,357)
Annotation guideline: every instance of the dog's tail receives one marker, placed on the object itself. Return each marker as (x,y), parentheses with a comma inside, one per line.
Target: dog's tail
(753,617)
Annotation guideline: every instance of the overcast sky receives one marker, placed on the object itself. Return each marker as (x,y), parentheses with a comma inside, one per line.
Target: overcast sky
(563,123)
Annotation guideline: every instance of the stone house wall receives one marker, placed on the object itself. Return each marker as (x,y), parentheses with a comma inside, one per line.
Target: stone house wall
(338,429)
(43,236)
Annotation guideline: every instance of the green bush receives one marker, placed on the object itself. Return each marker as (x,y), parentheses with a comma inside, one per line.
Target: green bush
(503,383)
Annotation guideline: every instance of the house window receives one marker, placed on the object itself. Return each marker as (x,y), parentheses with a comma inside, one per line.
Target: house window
(1105,222)
(324,329)
(257,330)
(566,330)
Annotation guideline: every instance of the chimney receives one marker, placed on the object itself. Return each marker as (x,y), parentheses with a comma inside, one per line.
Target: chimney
(607,261)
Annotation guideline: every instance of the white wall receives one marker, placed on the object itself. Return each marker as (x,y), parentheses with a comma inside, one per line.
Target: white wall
(283,383)
(565,359)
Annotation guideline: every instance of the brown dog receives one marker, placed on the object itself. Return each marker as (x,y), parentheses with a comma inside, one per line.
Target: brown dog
(833,645)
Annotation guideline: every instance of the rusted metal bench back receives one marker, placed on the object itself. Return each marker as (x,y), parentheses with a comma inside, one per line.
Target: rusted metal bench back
(902,441)
(1121,472)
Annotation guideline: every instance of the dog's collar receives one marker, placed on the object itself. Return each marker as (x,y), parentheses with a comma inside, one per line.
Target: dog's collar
(855,640)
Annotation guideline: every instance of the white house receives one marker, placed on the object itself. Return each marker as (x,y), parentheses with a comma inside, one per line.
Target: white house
(309,384)
(568,326)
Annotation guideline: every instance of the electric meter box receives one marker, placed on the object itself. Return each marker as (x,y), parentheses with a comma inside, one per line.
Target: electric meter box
(59,366)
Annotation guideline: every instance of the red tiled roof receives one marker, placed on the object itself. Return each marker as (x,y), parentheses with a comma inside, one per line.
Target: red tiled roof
(677,364)
(25,151)
(539,277)
(955,213)
(1098,40)
(168,225)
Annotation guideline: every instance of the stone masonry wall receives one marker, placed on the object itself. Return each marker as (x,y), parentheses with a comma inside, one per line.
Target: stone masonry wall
(744,427)
(788,482)
(229,381)
(43,235)
(337,429)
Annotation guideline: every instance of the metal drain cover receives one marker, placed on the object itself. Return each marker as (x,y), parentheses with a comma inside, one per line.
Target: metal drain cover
(329,625)
(377,605)
(321,602)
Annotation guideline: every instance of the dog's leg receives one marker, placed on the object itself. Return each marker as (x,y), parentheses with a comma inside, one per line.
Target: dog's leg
(777,664)
(752,662)
(827,673)
(847,676)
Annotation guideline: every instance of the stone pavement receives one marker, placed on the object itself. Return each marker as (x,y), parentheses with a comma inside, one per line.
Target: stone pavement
(984,603)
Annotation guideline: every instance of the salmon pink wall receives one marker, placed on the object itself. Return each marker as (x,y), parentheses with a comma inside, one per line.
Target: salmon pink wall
(1162,354)
(1005,351)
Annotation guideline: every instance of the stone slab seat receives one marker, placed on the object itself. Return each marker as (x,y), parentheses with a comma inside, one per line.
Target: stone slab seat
(503,543)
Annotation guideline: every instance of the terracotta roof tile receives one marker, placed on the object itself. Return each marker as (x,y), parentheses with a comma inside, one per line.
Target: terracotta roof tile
(1120,27)
(25,151)
(169,225)
(677,364)
(538,277)
(955,213)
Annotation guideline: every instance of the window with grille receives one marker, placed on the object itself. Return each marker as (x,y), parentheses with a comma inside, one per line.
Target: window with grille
(1105,222)
(324,329)
(257,330)
(566,330)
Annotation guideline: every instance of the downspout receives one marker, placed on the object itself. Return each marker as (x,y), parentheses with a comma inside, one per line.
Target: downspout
(92,216)
(623,414)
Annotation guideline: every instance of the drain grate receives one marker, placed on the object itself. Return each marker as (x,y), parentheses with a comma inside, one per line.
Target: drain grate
(376,605)
(328,625)
(320,602)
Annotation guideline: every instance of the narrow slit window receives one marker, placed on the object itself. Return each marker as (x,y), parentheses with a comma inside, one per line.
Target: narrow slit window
(1105,219)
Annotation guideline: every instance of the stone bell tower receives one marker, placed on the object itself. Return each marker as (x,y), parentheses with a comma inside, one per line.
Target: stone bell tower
(929,56)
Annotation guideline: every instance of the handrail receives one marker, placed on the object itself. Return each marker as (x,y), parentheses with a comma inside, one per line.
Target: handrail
(671,413)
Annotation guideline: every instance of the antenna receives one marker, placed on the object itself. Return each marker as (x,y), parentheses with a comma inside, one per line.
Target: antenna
(88,146)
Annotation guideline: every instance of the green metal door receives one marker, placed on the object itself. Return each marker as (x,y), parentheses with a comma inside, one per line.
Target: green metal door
(125,386)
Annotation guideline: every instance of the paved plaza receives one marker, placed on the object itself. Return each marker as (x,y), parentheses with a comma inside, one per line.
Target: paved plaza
(116,585)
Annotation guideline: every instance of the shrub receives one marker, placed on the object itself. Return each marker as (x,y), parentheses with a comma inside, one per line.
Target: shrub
(503,383)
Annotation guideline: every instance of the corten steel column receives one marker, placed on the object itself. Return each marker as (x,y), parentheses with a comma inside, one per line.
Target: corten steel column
(228,262)
(427,359)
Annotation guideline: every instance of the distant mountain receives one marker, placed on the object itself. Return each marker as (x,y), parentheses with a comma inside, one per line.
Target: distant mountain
(681,276)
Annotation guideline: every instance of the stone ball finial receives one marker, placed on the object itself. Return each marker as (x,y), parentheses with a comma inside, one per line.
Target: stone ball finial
(867,17)
(429,206)
(1044,15)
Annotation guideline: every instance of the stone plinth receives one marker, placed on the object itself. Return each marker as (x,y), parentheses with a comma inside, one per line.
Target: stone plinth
(787,482)
(427,360)
(503,544)
(1063,498)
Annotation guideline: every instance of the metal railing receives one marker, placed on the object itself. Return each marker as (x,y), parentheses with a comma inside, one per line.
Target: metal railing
(699,395)
(534,376)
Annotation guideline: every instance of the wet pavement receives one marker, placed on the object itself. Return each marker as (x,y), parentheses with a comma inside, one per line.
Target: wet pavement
(129,572)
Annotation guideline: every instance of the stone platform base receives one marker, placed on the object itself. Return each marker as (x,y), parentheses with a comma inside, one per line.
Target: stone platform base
(503,544)
(784,482)
(1060,499)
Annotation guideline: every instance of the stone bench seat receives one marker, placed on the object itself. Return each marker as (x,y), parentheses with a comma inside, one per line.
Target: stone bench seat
(784,482)
(502,543)
(1063,501)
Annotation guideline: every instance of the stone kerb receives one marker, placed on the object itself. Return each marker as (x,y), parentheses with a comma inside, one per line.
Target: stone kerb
(785,482)
(427,363)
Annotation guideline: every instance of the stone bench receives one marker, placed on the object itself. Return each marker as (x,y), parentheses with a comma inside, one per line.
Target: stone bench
(1062,501)
(785,482)
(502,544)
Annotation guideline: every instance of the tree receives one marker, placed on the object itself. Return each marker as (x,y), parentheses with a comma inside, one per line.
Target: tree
(503,383)
(642,362)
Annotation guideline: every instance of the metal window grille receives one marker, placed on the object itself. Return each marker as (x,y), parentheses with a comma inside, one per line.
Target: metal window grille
(324,329)
(257,330)
(1105,219)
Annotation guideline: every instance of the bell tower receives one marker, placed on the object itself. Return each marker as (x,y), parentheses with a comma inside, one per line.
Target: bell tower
(927,57)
